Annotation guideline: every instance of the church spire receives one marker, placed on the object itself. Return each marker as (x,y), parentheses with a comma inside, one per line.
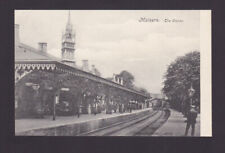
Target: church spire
(68,18)
(68,44)
(69,26)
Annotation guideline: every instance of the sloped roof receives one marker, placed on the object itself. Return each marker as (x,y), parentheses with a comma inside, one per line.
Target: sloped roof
(110,79)
(24,52)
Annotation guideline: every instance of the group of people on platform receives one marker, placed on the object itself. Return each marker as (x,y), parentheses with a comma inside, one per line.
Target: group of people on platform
(113,107)
(110,108)
(121,108)
(63,108)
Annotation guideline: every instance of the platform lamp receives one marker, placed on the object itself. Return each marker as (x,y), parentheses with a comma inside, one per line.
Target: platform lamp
(191,92)
(56,97)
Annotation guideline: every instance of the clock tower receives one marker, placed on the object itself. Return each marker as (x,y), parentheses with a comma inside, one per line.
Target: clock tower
(68,44)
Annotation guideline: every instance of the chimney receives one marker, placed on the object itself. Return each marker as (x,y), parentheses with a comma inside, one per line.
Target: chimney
(114,77)
(85,65)
(16,33)
(121,81)
(42,46)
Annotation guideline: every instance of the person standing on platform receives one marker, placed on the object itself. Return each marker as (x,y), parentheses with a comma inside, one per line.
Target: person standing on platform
(191,120)
(130,106)
(120,108)
(78,111)
(95,108)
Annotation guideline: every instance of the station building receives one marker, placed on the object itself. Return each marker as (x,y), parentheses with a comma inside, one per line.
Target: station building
(45,84)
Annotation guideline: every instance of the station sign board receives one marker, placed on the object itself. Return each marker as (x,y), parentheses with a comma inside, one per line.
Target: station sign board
(65,89)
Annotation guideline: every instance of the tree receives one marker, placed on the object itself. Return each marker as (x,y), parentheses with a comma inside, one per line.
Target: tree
(145,91)
(181,74)
(128,79)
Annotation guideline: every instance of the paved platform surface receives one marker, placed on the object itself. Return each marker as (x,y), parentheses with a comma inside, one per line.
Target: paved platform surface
(175,126)
(22,125)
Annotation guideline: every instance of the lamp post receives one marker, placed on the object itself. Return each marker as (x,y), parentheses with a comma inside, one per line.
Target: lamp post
(191,93)
(56,101)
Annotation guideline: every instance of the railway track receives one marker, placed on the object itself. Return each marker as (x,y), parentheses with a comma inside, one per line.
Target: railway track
(128,128)
(153,126)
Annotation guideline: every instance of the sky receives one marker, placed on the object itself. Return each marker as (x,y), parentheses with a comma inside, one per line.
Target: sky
(116,40)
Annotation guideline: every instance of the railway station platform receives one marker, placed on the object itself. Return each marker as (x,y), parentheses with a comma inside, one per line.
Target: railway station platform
(72,125)
(175,126)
